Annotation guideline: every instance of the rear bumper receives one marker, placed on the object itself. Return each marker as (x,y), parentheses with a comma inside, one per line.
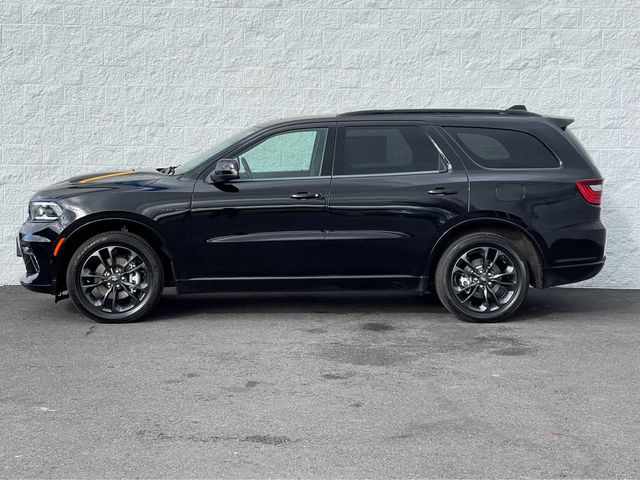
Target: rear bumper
(571,273)
(576,251)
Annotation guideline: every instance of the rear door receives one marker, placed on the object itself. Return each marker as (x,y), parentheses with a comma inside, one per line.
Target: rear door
(392,190)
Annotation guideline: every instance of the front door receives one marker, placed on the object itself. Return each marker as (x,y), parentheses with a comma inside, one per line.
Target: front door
(271,221)
(393,189)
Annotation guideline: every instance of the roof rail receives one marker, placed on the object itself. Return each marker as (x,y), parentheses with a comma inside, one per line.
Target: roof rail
(515,109)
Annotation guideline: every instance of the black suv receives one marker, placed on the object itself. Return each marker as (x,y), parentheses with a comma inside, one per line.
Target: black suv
(474,204)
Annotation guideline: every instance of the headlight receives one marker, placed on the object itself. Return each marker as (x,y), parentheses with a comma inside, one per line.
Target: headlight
(44,211)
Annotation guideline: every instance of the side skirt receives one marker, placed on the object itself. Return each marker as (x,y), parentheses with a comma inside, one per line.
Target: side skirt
(323,283)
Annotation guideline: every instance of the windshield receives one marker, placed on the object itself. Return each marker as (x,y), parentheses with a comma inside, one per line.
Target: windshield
(214,150)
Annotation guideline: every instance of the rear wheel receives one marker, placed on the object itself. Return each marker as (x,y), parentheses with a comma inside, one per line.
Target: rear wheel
(482,277)
(115,277)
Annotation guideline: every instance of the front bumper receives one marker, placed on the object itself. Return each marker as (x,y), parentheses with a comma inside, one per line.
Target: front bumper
(34,244)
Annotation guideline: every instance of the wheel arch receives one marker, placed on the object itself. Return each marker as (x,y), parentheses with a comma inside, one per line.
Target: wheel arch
(76,234)
(492,223)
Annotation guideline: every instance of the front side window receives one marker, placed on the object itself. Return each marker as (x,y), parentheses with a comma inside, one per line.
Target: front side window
(498,148)
(367,150)
(296,153)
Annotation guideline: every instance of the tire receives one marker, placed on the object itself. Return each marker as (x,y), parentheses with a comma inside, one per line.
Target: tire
(134,283)
(494,293)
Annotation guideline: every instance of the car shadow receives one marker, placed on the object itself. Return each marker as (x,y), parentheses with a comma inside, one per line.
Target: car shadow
(538,305)
(176,306)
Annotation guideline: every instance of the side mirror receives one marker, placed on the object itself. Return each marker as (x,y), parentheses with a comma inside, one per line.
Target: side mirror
(226,169)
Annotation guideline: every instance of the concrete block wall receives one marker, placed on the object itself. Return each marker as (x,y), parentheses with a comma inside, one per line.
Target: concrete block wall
(90,85)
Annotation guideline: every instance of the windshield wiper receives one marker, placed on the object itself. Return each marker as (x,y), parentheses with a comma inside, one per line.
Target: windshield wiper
(169,170)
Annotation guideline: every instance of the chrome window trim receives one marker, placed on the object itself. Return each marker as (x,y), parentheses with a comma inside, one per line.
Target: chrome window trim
(421,172)
(506,169)
(392,174)
(310,177)
(448,166)
(448,169)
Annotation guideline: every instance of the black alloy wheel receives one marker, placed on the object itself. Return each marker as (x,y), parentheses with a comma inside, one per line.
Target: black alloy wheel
(115,277)
(482,277)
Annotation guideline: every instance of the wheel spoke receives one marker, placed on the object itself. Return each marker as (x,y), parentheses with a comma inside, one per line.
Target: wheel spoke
(500,275)
(495,258)
(95,255)
(468,297)
(137,267)
(129,260)
(485,256)
(112,257)
(97,280)
(114,294)
(465,272)
(460,289)
(104,255)
(495,298)
(104,299)
(464,259)
(486,298)
(91,275)
(130,294)
(141,287)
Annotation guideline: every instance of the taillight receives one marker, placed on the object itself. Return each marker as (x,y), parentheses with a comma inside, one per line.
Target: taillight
(591,190)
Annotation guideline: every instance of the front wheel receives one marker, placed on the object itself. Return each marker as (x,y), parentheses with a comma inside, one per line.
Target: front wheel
(482,277)
(115,277)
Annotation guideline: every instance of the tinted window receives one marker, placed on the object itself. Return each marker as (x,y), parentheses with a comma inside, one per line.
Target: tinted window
(496,148)
(386,149)
(291,154)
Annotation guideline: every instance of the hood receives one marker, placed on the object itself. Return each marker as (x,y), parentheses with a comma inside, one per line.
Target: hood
(133,177)
(84,184)
(120,191)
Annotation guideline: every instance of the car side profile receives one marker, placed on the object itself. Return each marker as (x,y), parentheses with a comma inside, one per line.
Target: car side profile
(474,205)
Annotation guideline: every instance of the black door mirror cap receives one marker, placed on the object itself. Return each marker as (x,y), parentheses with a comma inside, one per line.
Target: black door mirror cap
(225,169)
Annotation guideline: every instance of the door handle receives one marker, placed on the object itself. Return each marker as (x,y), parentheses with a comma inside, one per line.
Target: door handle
(305,195)
(441,191)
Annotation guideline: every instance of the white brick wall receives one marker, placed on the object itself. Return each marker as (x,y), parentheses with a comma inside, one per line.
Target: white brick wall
(100,84)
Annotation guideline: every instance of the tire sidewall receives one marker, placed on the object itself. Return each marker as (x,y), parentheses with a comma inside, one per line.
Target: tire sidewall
(450,256)
(128,240)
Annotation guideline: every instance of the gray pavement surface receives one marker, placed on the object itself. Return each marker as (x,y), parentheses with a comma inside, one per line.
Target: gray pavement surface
(321,385)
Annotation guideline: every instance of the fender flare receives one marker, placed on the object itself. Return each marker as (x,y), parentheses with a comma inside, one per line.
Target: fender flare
(484,219)
(76,230)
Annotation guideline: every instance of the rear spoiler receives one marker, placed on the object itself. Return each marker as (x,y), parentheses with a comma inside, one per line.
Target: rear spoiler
(562,122)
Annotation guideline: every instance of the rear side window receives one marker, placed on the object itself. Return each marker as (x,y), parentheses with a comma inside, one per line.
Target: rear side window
(497,148)
(370,150)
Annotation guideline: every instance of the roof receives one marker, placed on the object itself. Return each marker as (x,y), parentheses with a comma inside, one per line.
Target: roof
(515,111)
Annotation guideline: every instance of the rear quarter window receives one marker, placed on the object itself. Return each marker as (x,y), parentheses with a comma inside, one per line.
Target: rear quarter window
(498,148)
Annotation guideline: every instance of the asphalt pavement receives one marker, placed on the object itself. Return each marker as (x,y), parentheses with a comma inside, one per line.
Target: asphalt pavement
(344,385)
